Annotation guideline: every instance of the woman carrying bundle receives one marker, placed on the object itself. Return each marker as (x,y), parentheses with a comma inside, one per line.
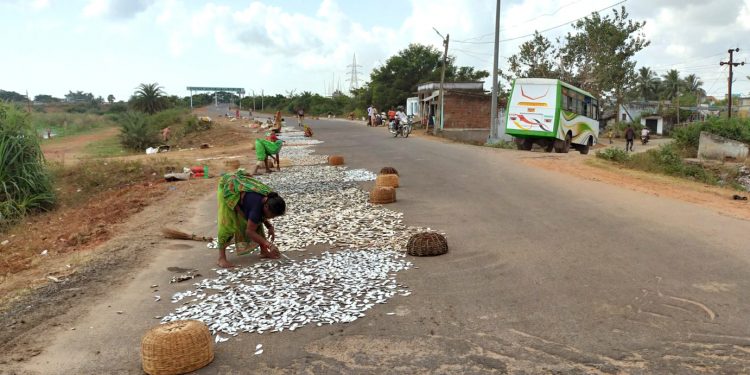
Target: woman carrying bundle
(245,206)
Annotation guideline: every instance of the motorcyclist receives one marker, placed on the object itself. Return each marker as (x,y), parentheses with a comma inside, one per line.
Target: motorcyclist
(401,117)
(645,135)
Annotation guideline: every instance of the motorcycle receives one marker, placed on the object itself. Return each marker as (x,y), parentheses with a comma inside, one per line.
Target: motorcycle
(644,139)
(397,127)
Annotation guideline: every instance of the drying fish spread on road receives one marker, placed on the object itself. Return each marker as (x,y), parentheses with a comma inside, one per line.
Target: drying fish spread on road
(325,205)
(269,297)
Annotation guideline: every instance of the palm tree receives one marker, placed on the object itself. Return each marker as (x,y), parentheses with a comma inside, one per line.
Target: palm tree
(149,98)
(647,83)
(671,84)
(694,84)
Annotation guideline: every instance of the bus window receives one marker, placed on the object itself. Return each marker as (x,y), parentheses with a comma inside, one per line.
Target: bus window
(569,106)
(585,110)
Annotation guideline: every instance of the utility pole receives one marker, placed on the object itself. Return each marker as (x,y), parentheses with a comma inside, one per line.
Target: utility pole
(731,64)
(494,124)
(261,100)
(446,39)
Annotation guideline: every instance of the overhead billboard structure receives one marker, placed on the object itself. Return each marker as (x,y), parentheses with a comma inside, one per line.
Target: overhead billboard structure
(240,91)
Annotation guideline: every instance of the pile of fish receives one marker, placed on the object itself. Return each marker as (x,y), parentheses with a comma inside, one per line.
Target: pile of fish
(325,205)
(269,297)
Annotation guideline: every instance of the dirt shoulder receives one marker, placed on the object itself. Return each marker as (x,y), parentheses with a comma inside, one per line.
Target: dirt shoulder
(64,259)
(591,168)
(95,272)
(72,148)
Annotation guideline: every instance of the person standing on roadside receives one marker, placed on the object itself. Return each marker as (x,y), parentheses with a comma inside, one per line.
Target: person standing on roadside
(629,136)
(369,115)
(300,116)
(165,134)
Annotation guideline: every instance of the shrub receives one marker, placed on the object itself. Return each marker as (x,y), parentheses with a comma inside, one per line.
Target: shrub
(687,137)
(24,182)
(667,159)
(613,154)
(503,144)
(136,133)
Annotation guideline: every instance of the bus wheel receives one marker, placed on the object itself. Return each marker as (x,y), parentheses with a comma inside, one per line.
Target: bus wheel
(585,149)
(549,146)
(559,146)
(527,144)
(566,145)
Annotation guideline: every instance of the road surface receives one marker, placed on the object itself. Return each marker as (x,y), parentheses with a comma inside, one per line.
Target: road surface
(546,273)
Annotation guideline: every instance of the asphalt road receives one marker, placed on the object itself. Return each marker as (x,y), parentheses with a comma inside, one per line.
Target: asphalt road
(546,273)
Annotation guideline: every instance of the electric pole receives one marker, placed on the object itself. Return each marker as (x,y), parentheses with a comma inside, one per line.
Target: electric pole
(731,64)
(494,124)
(446,39)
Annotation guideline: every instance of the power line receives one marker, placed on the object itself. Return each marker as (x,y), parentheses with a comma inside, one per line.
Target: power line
(520,23)
(551,28)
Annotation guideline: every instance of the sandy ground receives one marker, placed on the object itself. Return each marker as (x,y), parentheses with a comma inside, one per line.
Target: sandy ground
(632,318)
(71,148)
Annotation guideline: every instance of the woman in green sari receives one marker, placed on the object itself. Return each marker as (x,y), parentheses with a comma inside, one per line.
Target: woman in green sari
(244,204)
(265,148)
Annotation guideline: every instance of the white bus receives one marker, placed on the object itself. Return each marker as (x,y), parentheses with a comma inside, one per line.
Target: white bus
(552,114)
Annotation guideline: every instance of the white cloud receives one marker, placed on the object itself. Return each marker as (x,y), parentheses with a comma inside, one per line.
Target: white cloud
(40,4)
(116,9)
(95,8)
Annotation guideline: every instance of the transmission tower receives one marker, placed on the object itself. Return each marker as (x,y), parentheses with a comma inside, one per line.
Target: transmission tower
(354,74)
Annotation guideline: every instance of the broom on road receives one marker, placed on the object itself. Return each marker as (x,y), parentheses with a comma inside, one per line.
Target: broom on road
(180,235)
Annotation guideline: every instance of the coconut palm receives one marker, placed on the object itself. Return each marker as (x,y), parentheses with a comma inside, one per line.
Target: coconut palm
(149,98)
(671,84)
(647,83)
(694,85)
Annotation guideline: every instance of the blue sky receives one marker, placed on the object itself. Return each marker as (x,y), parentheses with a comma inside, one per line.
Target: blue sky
(111,46)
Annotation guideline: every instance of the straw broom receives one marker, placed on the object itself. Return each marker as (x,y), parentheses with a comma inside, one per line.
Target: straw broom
(180,235)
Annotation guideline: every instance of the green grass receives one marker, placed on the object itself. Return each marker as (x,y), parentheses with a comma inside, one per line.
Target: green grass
(668,160)
(503,144)
(106,148)
(67,124)
(25,185)
(94,176)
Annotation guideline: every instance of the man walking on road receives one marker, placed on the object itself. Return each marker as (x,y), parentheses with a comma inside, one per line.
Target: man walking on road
(629,136)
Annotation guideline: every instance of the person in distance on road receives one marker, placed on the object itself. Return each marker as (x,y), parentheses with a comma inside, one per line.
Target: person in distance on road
(629,136)
(300,117)
(246,205)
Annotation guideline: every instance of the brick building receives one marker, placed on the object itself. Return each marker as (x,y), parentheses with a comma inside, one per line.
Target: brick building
(467,109)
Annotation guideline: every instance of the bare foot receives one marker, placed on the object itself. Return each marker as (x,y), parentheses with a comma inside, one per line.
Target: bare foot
(223,263)
(269,255)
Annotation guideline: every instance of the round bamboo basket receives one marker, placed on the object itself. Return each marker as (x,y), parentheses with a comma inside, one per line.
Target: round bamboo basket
(382,195)
(232,164)
(176,348)
(390,180)
(335,160)
(388,170)
(427,244)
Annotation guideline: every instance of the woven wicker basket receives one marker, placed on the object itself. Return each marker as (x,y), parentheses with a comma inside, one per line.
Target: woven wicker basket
(388,170)
(382,195)
(427,244)
(176,348)
(335,160)
(390,180)
(232,164)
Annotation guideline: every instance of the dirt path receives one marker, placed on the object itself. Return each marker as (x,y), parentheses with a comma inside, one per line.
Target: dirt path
(70,149)
(589,168)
